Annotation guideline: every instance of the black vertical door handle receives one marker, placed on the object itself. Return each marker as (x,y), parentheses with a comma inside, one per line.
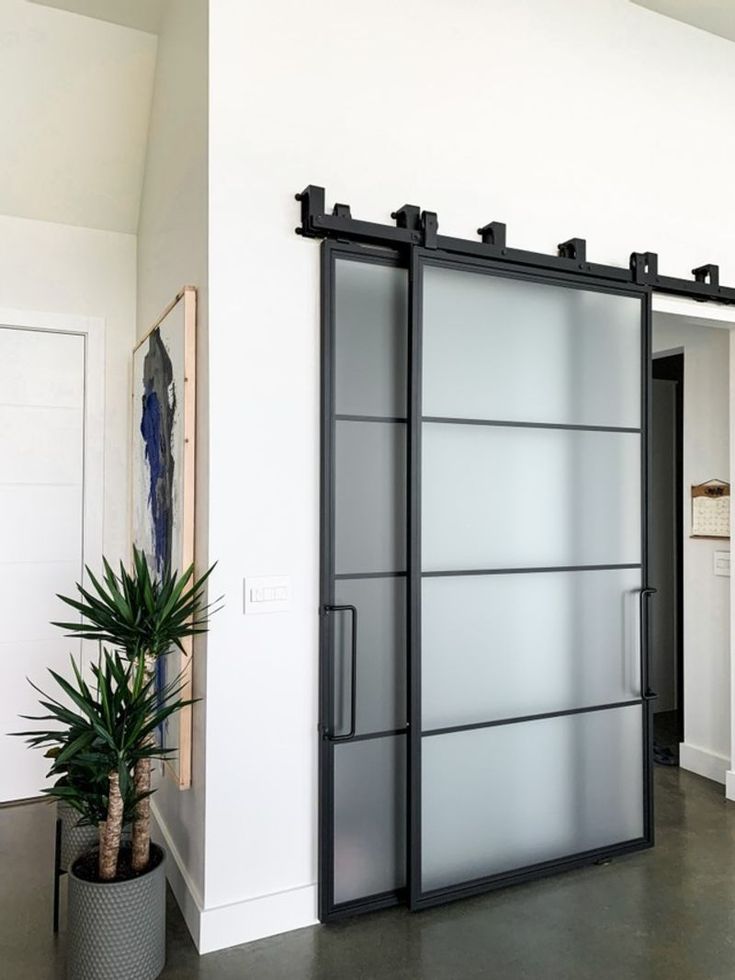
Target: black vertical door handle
(643,596)
(353,676)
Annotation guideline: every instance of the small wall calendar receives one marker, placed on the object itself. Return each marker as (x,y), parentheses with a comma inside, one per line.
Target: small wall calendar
(711,510)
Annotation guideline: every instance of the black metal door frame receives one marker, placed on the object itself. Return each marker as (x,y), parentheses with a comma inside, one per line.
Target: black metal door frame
(328,738)
(417,898)
(413,235)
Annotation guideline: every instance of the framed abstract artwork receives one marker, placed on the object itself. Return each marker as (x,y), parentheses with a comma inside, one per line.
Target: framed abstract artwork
(163,482)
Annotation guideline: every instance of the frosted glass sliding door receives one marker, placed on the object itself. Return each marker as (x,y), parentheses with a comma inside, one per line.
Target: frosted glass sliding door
(529,700)
(363,715)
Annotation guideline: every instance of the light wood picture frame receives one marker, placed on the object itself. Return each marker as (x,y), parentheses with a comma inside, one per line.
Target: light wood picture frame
(163,480)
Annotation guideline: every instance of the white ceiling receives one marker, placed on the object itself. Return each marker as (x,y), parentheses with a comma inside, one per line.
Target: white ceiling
(715,16)
(75,97)
(144,15)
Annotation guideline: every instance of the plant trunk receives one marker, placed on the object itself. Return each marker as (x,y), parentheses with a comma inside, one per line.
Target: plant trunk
(142,782)
(110,836)
(142,822)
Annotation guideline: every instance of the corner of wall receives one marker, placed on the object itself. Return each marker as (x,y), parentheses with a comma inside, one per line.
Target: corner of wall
(182,885)
(173,240)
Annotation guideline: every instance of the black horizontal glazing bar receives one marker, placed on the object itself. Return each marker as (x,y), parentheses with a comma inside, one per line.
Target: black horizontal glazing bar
(452,729)
(526,571)
(348,576)
(528,425)
(369,418)
(369,736)
(477,886)
(370,903)
(414,226)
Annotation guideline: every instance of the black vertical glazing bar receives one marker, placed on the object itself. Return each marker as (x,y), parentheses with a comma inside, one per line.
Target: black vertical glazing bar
(326,588)
(646,389)
(414,576)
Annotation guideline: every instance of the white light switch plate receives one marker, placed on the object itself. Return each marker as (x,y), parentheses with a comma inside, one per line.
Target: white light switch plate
(267,594)
(722,563)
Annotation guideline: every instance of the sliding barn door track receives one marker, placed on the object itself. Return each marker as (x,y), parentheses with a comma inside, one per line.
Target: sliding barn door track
(416,227)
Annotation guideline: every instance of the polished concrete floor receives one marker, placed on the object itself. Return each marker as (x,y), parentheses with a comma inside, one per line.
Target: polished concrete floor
(664,914)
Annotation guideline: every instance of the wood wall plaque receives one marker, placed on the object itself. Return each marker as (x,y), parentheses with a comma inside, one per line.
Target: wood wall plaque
(711,510)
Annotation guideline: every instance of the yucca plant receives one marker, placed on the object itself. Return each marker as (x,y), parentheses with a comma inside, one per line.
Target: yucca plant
(145,618)
(99,737)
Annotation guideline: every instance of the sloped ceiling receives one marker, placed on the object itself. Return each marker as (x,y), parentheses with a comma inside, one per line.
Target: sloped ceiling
(75,96)
(144,15)
(715,16)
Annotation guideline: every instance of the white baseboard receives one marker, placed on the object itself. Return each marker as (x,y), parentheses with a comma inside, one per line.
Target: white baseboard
(711,765)
(240,922)
(257,918)
(730,785)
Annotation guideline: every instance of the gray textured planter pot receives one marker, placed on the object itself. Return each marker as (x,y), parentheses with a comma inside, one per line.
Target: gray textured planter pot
(117,930)
(74,840)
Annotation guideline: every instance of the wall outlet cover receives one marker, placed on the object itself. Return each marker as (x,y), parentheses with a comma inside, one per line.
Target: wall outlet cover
(266,594)
(722,563)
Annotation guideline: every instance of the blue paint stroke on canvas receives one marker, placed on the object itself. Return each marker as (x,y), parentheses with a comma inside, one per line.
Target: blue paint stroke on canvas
(158,414)
(156,427)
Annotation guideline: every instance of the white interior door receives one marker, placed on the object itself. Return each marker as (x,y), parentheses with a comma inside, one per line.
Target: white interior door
(42,429)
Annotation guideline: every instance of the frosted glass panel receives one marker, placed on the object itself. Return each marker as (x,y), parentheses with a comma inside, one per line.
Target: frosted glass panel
(497,799)
(369,817)
(370,497)
(508,497)
(522,351)
(371,327)
(381,654)
(504,646)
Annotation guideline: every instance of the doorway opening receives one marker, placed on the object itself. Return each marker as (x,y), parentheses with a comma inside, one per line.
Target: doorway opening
(667,554)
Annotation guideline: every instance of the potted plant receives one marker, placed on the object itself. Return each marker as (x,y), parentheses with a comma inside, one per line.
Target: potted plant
(79,790)
(106,743)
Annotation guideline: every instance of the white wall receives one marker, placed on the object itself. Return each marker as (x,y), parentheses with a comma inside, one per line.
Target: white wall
(172,253)
(730,777)
(599,119)
(144,15)
(73,116)
(172,226)
(706,747)
(53,268)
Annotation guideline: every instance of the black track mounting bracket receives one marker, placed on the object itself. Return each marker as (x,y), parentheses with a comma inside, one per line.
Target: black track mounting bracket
(707,273)
(574,249)
(429,229)
(409,216)
(493,233)
(644,267)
